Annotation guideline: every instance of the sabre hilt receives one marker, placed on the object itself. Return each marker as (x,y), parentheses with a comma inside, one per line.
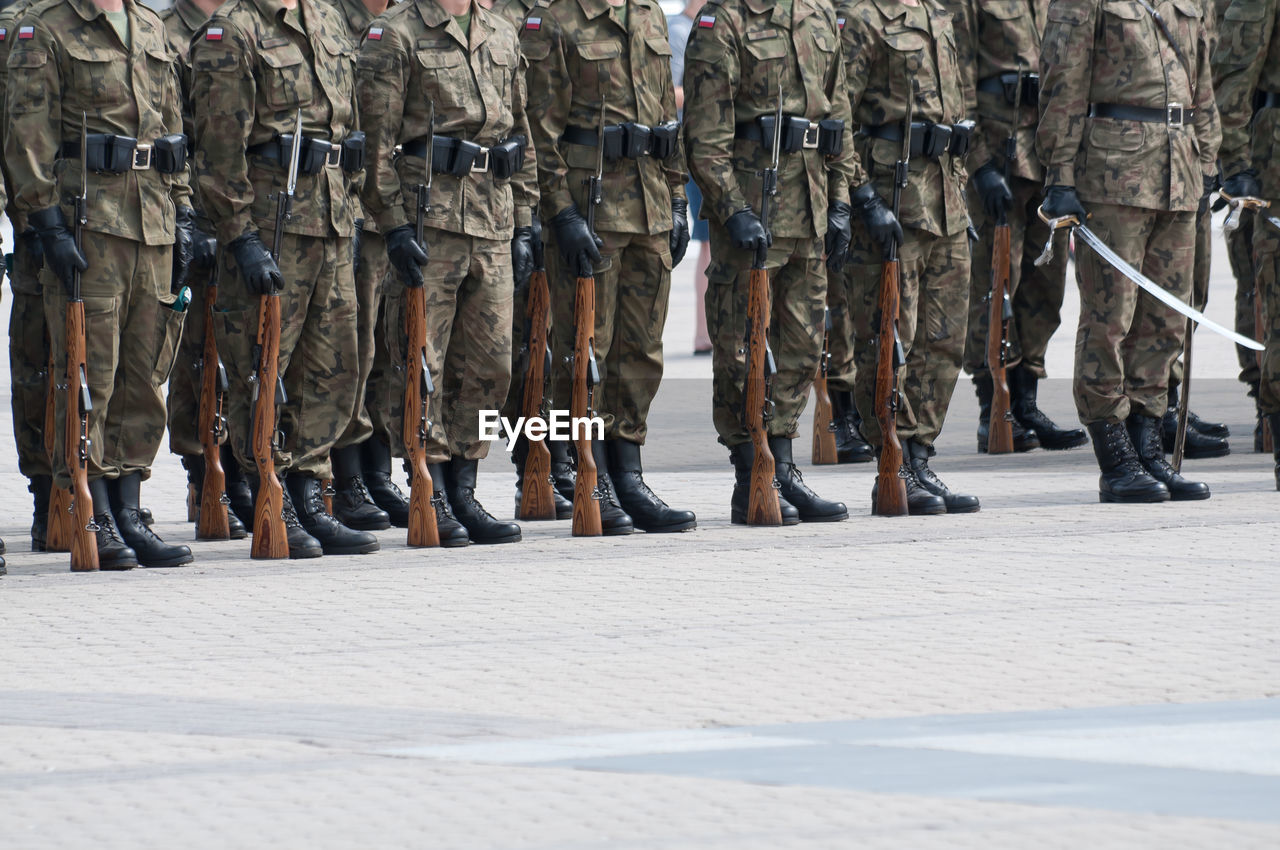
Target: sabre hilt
(1238,205)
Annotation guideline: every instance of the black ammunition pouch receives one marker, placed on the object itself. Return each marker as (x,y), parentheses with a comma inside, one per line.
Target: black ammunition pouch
(665,138)
(928,139)
(460,157)
(314,155)
(507,157)
(353,152)
(169,153)
(798,133)
(628,141)
(831,136)
(1006,85)
(106,153)
(961,137)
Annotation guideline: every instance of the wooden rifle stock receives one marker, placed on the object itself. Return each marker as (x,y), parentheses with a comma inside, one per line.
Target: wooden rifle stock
(586,495)
(270,539)
(212,521)
(1000,433)
(824,426)
(59,535)
(84,542)
(763,507)
(891,489)
(536,499)
(423,530)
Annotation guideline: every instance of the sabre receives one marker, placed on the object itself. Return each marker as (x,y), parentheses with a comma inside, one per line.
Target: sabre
(1239,204)
(1142,281)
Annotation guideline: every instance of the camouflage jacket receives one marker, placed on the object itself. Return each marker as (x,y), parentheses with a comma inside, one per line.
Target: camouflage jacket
(66,60)
(252,71)
(181,20)
(9,17)
(1247,61)
(581,55)
(995,37)
(514,11)
(414,57)
(889,48)
(1113,52)
(358,18)
(738,53)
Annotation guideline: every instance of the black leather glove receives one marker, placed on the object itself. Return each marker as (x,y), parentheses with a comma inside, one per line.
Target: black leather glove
(184,236)
(882,225)
(1210,192)
(993,190)
(59,245)
(257,269)
(1061,201)
(679,229)
(579,247)
(406,255)
(747,231)
(29,242)
(204,249)
(356,245)
(522,264)
(839,232)
(1242,184)
(539,256)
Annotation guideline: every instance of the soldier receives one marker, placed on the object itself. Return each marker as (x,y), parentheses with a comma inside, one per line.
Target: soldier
(107,60)
(738,54)
(1247,72)
(460,64)
(583,56)
(181,20)
(997,42)
(892,49)
(255,65)
(1129,127)
(366,496)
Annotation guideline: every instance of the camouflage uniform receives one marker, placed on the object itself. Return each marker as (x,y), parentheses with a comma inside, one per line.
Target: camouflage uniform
(1141,181)
(887,50)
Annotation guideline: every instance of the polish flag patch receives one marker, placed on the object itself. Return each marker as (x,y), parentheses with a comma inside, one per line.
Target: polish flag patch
(213,34)
(375,34)
(706,22)
(840,23)
(26,32)
(533,24)
(3,32)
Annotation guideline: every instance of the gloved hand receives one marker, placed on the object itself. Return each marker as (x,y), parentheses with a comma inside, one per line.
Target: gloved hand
(59,245)
(993,190)
(356,245)
(29,241)
(1242,184)
(184,235)
(679,229)
(839,232)
(579,247)
(747,231)
(539,257)
(1210,192)
(257,269)
(522,264)
(1061,201)
(882,225)
(406,255)
(204,249)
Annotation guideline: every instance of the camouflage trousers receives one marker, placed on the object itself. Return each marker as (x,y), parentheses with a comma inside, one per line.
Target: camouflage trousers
(1127,340)
(798,292)
(318,351)
(519,357)
(1266,251)
(933,310)
(1240,255)
(632,291)
(841,372)
(28,365)
(183,401)
(468,287)
(131,339)
(370,278)
(1199,283)
(1035,293)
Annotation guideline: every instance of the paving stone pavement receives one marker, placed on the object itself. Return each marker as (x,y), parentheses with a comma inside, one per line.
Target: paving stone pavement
(1050,672)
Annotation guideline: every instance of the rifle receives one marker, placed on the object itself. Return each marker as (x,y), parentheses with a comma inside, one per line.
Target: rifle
(763,507)
(1000,311)
(212,520)
(418,386)
(84,542)
(891,488)
(824,426)
(60,519)
(269,536)
(536,500)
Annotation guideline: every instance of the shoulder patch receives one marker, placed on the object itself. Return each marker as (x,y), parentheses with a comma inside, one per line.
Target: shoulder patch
(706,22)
(26,32)
(840,23)
(213,34)
(4,31)
(533,24)
(375,34)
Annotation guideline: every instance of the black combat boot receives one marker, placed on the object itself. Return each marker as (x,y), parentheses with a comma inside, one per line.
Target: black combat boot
(647,511)
(1273,422)
(148,519)
(41,487)
(1123,478)
(301,545)
(451,532)
(375,458)
(151,550)
(613,519)
(1199,445)
(520,454)
(352,504)
(1023,439)
(562,474)
(239,491)
(917,457)
(920,502)
(850,447)
(482,526)
(335,538)
(1144,433)
(1260,423)
(812,507)
(113,552)
(742,456)
(1022,391)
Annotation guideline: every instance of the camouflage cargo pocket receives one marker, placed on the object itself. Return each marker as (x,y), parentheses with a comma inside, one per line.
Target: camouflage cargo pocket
(168,334)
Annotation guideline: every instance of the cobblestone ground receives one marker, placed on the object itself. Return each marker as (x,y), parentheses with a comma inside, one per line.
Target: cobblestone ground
(1050,672)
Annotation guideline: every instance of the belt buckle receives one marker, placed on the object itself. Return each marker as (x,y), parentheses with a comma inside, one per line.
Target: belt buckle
(810,137)
(333,159)
(1171,110)
(480,165)
(141,157)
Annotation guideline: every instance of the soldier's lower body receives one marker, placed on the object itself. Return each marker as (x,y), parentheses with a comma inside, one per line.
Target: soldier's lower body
(1247,320)
(847,424)
(131,339)
(797,295)
(1125,345)
(932,310)
(29,379)
(319,356)
(632,291)
(1266,247)
(1036,295)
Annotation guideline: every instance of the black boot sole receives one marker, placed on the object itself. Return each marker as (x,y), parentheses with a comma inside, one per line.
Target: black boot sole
(1144,499)
(856,457)
(1190,497)
(663,529)
(1063,446)
(1206,455)
(964,509)
(171,562)
(362,549)
(375,525)
(493,541)
(115,566)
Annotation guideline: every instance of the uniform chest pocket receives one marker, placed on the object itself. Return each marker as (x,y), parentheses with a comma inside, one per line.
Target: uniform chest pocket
(766,45)
(823,40)
(446,78)
(162,75)
(99,75)
(1001,10)
(599,62)
(286,77)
